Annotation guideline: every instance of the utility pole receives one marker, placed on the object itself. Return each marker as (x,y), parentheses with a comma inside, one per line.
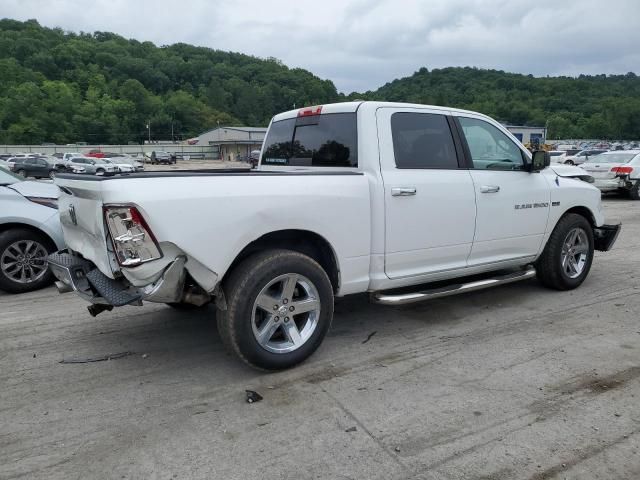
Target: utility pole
(172,140)
(149,130)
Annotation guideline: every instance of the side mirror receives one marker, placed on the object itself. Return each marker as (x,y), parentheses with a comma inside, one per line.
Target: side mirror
(539,161)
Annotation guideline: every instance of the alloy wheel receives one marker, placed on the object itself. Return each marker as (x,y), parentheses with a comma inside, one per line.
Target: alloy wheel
(286,313)
(24,261)
(575,251)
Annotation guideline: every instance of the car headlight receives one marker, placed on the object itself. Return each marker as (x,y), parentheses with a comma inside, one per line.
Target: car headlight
(47,202)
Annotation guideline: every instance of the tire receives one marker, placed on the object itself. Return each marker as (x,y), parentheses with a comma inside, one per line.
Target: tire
(634,191)
(99,171)
(14,241)
(22,173)
(266,275)
(569,162)
(552,270)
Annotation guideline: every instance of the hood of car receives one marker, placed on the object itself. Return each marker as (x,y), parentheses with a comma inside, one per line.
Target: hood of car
(36,189)
(571,171)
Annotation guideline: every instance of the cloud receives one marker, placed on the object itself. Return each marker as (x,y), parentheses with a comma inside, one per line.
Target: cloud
(362,44)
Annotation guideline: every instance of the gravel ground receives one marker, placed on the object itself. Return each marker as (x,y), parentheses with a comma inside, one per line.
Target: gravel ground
(518,382)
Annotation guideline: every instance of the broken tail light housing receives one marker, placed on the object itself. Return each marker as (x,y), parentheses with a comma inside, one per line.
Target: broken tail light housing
(133,241)
(622,170)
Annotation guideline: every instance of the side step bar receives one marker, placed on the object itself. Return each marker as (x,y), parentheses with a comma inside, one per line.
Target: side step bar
(413,297)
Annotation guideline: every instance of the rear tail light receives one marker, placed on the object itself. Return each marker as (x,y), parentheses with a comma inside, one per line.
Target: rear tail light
(308,111)
(622,170)
(133,240)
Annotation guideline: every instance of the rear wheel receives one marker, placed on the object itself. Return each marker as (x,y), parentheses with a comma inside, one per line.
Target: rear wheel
(569,162)
(634,192)
(23,260)
(22,173)
(567,257)
(279,309)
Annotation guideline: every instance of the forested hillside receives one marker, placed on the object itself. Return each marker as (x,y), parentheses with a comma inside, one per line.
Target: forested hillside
(598,106)
(63,87)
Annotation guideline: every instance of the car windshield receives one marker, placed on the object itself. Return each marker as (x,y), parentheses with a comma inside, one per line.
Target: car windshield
(8,178)
(613,158)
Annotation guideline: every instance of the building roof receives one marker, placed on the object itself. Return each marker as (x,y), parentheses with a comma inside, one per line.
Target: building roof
(238,129)
(524,126)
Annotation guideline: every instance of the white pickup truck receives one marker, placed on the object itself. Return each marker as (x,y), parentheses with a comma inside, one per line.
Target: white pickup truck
(405,202)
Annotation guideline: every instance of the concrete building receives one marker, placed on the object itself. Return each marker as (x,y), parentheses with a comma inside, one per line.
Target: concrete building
(528,134)
(230,143)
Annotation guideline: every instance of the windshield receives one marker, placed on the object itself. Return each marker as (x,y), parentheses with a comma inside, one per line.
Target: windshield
(8,178)
(613,158)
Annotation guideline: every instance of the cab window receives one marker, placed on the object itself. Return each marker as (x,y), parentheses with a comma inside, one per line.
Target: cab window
(327,140)
(490,148)
(422,140)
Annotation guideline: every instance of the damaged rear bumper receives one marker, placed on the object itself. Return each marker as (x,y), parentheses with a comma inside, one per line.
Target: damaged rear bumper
(605,236)
(75,273)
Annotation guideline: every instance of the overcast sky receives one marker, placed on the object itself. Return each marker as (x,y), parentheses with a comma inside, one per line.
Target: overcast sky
(362,44)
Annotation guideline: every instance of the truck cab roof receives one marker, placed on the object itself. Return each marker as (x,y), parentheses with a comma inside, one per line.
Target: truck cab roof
(351,107)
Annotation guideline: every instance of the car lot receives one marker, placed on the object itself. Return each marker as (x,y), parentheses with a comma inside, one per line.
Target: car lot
(515,382)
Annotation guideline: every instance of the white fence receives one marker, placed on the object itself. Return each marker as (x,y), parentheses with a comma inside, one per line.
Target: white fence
(202,151)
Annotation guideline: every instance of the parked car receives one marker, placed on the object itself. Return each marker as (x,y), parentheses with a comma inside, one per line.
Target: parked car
(38,167)
(29,232)
(348,198)
(95,154)
(122,167)
(254,158)
(67,156)
(127,162)
(92,166)
(582,156)
(557,156)
(616,171)
(164,158)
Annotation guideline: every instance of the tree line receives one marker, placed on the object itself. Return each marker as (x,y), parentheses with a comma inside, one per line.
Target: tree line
(65,87)
(589,106)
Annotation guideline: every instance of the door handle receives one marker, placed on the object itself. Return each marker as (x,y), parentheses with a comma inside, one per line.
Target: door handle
(489,189)
(403,191)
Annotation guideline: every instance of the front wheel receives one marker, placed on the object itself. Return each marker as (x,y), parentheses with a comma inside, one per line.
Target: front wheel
(279,309)
(567,257)
(52,174)
(569,162)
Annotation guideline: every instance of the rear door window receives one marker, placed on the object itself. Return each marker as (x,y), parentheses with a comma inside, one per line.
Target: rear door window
(329,140)
(422,140)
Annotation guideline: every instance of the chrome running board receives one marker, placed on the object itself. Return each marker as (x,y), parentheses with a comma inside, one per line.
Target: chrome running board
(412,297)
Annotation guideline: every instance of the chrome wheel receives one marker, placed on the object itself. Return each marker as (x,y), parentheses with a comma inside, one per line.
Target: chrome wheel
(575,251)
(24,261)
(285,313)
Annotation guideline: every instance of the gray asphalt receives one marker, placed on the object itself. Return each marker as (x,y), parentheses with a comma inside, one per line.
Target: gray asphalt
(518,382)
